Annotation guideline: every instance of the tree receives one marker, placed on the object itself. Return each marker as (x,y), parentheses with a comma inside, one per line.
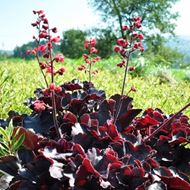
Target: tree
(156,15)
(73,43)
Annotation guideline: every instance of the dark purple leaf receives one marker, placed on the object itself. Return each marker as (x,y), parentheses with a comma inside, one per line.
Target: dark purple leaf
(9,165)
(73,85)
(40,123)
(125,119)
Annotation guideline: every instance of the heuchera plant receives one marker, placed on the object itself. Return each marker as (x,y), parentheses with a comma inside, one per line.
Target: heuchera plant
(76,139)
(45,50)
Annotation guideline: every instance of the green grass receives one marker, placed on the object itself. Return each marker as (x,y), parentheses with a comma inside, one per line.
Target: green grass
(20,78)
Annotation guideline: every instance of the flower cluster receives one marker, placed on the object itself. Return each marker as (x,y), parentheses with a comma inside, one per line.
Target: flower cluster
(45,41)
(131,42)
(90,58)
(127,45)
(44,51)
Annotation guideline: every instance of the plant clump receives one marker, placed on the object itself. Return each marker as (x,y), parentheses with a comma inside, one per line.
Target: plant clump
(77,139)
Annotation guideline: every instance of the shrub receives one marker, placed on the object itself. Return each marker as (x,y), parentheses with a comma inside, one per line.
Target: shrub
(72,44)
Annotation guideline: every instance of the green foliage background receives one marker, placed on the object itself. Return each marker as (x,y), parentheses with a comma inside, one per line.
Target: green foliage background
(20,78)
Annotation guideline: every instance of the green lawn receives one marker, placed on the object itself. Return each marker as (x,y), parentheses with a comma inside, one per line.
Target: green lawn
(20,78)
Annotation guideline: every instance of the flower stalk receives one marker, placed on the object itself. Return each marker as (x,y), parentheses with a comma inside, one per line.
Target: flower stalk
(125,48)
(46,50)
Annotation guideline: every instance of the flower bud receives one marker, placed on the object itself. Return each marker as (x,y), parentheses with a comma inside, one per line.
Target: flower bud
(124,28)
(93,42)
(52,87)
(131,68)
(54,30)
(59,58)
(117,49)
(39,106)
(44,27)
(43,65)
(133,89)
(56,39)
(122,42)
(34,24)
(43,35)
(93,50)
(61,71)
(58,89)
(140,37)
(45,21)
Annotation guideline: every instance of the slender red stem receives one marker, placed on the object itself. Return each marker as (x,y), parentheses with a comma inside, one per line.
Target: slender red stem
(90,70)
(54,112)
(44,76)
(37,57)
(122,91)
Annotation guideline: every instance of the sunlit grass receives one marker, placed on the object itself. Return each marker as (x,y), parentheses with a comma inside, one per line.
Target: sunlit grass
(20,78)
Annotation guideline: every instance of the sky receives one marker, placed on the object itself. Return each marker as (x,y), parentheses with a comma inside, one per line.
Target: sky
(16,17)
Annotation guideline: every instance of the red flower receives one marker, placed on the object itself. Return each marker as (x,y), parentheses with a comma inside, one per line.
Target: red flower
(140,36)
(29,52)
(87,61)
(58,89)
(42,48)
(59,58)
(121,64)
(54,30)
(131,68)
(46,92)
(124,28)
(45,27)
(122,42)
(95,72)
(43,65)
(89,43)
(61,71)
(138,25)
(45,21)
(39,106)
(43,34)
(42,16)
(49,70)
(136,45)
(134,35)
(85,56)
(98,58)
(93,42)
(137,19)
(93,50)
(86,44)
(40,12)
(56,39)
(142,49)
(50,45)
(123,51)
(52,87)
(82,67)
(117,49)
